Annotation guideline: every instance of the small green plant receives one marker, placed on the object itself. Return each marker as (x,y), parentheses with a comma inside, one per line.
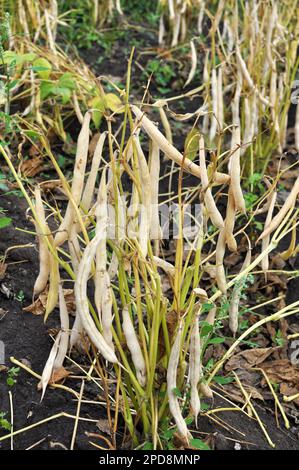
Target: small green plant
(4,221)
(162,73)
(4,423)
(20,296)
(279,339)
(12,375)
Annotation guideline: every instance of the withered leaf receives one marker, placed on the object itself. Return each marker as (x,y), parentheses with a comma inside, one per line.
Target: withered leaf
(32,167)
(281,371)
(59,375)
(38,307)
(249,358)
(103,426)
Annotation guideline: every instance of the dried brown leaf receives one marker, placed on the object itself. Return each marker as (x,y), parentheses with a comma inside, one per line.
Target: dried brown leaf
(249,358)
(59,375)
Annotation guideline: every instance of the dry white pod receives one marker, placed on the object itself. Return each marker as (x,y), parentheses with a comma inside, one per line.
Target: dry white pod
(172,369)
(230,222)
(205,390)
(248,79)
(78,182)
(113,266)
(155,229)
(220,252)
(235,171)
(82,301)
(200,17)
(146,202)
(171,10)
(236,100)
(75,253)
(235,298)
(42,231)
(167,267)
(176,29)
(101,251)
(273,17)
(48,369)
(165,124)
(106,311)
(161,30)
(77,108)
(266,239)
(220,106)
(210,204)
(76,332)
(65,326)
(195,368)
(193,63)
(214,121)
(91,180)
(169,150)
(288,205)
(134,347)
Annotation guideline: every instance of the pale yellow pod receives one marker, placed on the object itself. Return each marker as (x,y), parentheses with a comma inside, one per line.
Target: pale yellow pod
(77,183)
(230,222)
(288,205)
(235,171)
(220,271)
(42,231)
(170,150)
(65,326)
(172,369)
(134,347)
(210,204)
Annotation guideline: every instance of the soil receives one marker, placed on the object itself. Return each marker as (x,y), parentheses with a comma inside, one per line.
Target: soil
(26,337)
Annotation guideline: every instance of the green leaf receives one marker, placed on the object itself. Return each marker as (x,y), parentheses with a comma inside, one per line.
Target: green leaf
(147,446)
(10,58)
(42,67)
(4,222)
(46,89)
(176,392)
(206,328)
(67,81)
(31,134)
(98,106)
(216,340)
(192,144)
(4,424)
(199,444)
(223,380)
(64,93)
(10,381)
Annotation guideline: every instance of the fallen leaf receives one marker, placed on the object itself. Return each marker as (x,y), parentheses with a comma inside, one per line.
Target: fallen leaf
(249,358)
(3,268)
(289,390)
(58,375)
(38,307)
(104,426)
(281,371)
(32,167)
